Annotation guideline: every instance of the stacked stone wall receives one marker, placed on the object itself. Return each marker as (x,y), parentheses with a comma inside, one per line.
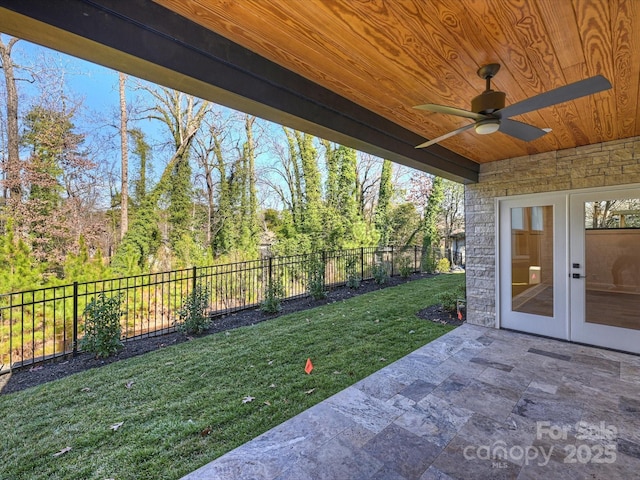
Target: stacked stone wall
(600,165)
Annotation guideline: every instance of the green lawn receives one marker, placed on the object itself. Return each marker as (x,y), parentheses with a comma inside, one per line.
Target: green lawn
(179,391)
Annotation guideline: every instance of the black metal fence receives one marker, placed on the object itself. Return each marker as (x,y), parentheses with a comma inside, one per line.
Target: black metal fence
(38,325)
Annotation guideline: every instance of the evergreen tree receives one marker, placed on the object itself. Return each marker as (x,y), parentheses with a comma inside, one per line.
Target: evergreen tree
(80,267)
(54,147)
(20,269)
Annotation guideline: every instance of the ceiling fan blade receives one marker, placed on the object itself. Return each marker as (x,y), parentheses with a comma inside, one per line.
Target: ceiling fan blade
(582,88)
(522,131)
(432,107)
(445,136)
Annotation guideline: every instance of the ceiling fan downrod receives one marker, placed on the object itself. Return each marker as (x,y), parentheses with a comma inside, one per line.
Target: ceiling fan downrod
(488,101)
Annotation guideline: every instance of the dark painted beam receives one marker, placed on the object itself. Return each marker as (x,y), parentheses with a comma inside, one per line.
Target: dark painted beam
(146,40)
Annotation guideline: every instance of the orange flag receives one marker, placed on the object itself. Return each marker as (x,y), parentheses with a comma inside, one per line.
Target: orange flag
(459,315)
(308,367)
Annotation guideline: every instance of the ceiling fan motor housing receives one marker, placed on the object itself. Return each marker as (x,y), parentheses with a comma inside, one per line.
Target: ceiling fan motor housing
(488,102)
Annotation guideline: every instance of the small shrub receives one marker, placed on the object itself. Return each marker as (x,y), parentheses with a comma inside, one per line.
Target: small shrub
(449,299)
(102,328)
(315,281)
(192,316)
(405,268)
(353,278)
(443,265)
(272,302)
(380,274)
(353,281)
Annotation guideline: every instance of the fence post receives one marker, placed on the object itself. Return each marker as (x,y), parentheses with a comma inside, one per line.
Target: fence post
(415,259)
(361,263)
(75,319)
(392,260)
(194,281)
(270,270)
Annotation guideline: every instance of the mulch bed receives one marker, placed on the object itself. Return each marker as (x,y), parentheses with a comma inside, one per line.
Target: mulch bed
(437,314)
(21,379)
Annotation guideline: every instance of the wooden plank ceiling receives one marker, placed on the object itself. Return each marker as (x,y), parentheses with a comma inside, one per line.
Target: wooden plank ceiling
(388,56)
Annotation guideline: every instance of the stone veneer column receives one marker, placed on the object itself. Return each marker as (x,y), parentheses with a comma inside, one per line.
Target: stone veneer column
(598,165)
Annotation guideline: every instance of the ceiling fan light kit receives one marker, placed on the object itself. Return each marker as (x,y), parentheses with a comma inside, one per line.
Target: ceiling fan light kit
(490,114)
(485,127)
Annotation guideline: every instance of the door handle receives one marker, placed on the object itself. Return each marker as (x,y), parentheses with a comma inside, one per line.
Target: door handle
(577,275)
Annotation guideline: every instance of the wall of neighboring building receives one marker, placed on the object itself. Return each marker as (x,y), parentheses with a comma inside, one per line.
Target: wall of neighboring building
(598,165)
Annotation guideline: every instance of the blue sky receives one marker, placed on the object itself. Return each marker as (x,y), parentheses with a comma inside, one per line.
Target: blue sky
(96,84)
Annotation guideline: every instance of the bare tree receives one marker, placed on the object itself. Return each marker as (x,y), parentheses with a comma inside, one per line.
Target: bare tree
(12,187)
(210,155)
(124,149)
(369,168)
(452,212)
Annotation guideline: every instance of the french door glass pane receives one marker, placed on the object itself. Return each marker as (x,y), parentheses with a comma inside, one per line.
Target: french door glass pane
(532,260)
(612,262)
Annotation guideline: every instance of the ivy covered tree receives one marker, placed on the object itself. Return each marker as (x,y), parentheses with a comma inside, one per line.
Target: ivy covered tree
(226,157)
(182,115)
(429,191)
(348,191)
(344,225)
(142,240)
(334,224)
(247,214)
(312,205)
(385,193)
(142,150)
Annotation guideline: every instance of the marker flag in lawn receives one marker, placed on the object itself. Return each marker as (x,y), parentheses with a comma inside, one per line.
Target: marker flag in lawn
(308,367)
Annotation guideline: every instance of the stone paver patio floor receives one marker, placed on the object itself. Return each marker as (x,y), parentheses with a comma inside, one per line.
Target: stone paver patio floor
(476,403)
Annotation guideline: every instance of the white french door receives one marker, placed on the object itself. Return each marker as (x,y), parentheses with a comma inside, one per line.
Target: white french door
(532,259)
(569,266)
(605,269)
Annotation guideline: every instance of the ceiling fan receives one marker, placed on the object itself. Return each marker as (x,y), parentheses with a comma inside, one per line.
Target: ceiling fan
(490,114)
